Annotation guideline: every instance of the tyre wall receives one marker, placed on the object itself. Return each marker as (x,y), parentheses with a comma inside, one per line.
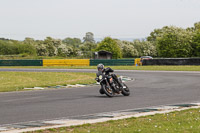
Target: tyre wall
(172,61)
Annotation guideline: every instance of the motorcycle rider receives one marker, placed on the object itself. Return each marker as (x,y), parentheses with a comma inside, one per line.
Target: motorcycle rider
(100,67)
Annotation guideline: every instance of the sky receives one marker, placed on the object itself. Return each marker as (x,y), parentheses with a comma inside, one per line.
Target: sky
(73,18)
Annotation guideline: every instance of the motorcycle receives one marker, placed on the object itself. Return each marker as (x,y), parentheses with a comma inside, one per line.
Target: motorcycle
(110,84)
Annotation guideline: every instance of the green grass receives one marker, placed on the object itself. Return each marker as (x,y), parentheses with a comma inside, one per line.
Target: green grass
(151,68)
(16,81)
(176,122)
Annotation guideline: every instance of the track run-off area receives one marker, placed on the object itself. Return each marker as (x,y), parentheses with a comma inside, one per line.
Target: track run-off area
(150,88)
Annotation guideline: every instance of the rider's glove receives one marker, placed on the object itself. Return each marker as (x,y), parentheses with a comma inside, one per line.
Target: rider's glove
(97,79)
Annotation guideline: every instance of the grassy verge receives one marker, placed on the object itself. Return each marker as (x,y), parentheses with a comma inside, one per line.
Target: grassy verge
(15,81)
(184,121)
(153,68)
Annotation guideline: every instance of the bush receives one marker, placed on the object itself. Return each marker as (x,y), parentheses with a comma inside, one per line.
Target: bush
(15,48)
(110,45)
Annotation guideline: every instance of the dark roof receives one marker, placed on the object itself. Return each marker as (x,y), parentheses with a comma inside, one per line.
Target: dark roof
(102,51)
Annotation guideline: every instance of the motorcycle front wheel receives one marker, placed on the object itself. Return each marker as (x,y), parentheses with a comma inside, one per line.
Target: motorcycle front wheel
(108,90)
(125,90)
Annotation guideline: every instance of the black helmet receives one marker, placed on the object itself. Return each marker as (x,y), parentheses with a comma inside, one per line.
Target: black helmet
(100,67)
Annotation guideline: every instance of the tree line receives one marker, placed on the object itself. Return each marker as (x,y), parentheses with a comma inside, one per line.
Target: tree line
(168,42)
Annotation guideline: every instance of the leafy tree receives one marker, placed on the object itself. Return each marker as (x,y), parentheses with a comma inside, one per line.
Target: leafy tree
(29,41)
(74,52)
(26,49)
(196,40)
(197,26)
(87,49)
(137,48)
(110,45)
(88,46)
(156,33)
(41,49)
(89,37)
(52,45)
(147,48)
(7,48)
(74,42)
(196,45)
(128,50)
(4,39)
(64,50)
(13,47)
(174,42)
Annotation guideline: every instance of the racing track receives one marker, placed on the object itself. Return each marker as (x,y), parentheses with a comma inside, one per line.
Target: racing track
(149,89)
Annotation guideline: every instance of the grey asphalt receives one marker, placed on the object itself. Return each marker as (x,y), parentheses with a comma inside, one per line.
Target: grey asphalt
(149,89)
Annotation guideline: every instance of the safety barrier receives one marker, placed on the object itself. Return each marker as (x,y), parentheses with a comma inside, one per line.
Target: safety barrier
(69,62)
(113,62)
(172,61)
(66,62)
(21,63)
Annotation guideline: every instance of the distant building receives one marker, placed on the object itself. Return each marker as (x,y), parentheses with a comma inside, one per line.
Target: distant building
(103,55)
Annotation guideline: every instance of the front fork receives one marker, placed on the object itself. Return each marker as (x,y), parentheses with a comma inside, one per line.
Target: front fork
(107,83)
(120,82)
(110,83)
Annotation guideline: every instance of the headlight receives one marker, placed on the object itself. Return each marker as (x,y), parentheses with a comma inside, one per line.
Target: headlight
(100,77)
